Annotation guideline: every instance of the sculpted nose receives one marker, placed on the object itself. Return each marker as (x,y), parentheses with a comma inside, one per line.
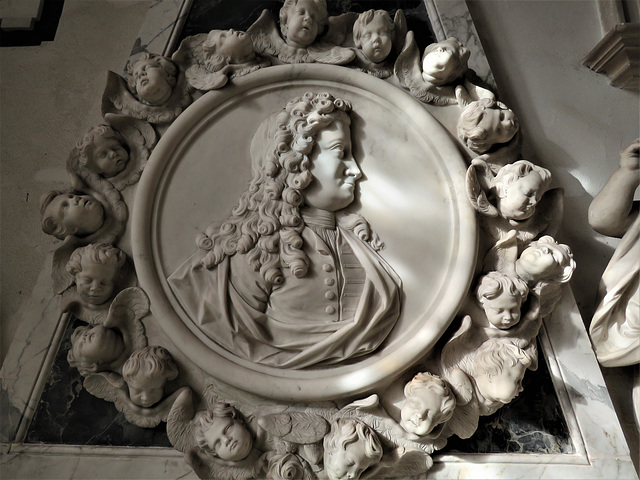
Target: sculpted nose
(353,170)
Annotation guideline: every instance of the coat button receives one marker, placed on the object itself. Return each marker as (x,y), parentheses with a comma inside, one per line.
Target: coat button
(330,310)
(329,282)
(330,295)
(327,267)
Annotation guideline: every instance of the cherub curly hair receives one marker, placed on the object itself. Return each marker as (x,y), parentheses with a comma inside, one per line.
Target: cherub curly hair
(84,146)
(322,16)
(151,361)
(167,66)
(429,381)
(469,131)
(266,224)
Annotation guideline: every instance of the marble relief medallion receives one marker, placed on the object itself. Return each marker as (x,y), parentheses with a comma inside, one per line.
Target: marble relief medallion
(409,187)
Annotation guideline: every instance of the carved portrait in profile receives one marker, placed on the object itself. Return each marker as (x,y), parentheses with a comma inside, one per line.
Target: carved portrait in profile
(265,213)
(291,279)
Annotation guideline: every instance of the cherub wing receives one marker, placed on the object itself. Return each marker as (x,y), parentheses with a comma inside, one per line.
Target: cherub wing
(190,51)
(460,385)
(468,91)
(118,99)
(202,79)
(209,467)
(549,212)
(478,177)
(340,29)
(401,464)
(508,153)
(62,279)
(126,312)
(409,73)
(399,31)
(407,66)
(180,422)
(148,417)
(323,52)
(265,35)
(108,386)
(140,138)
(295,427)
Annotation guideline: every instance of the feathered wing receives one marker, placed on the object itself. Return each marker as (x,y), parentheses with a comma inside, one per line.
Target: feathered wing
(409,73)
(62,279)
(549,213)
(478,177)
(508,153)
(295,427)
(401,464)
(399,31)
(190,51)
(340,29)
(118,99)
(266,36)
(202,79)
(323,52)
(140,138)
(126,311)
(180,422)
(209,467)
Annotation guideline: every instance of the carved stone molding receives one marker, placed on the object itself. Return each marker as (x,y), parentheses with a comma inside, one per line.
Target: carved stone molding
(617,55)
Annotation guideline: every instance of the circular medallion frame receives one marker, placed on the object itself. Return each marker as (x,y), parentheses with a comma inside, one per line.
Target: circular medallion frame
(412,192)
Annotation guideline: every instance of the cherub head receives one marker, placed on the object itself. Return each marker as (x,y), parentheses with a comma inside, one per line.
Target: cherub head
(96,269)
(498,368)
(66,213)
(221,432)
(227,47)
(350,448)
(501,296)
(94,349)
(103,151)
(518,188)
(373,34)
(146,371)
(302,20)
(444,62)
(301,156)
(152,78)
(429,402)
(483,124)
(545,260)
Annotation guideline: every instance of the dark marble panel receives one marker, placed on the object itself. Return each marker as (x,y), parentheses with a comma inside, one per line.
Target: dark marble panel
(68,414)
(532,423)
(206,15)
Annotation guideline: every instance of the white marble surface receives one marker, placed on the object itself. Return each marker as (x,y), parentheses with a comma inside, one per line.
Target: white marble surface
(571,360)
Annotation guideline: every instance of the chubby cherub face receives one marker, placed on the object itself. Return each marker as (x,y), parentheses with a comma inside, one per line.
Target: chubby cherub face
(502,387)
(541,261)
(97,344)
(228,439)
(348,464)
(500,124)
(303,24)
(443,62)
(375,40)
(108,156)
(152,82)
(79,215)
(421,410)
(145,390)
(521,197)
(235,46)
(96,281)
(502,311)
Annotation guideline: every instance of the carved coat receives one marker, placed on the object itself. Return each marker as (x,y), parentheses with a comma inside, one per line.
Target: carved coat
(344,307)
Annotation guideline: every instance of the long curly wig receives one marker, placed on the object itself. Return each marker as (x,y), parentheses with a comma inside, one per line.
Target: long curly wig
(266,225)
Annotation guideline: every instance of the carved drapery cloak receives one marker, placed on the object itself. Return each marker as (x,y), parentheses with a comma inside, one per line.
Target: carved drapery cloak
(615,328)
(344,307)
